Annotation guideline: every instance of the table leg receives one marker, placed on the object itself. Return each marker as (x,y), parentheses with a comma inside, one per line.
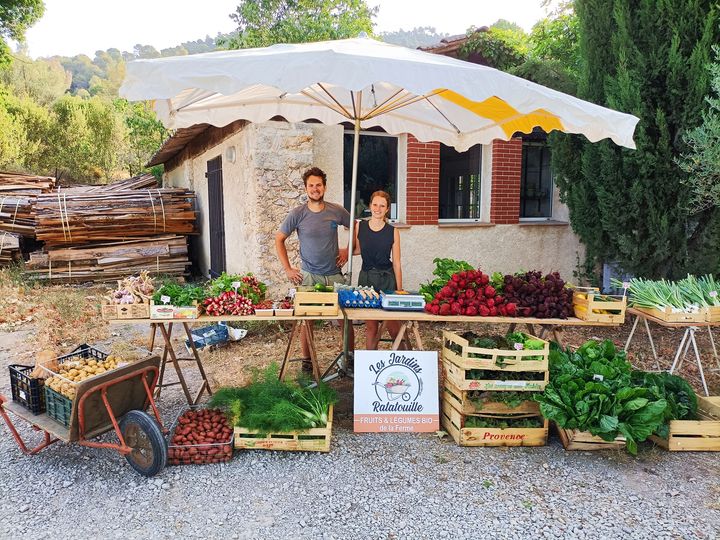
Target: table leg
(163,361)
(686,349)
(632,332)
(652,343)
(205,384)
(173,359)
(557,336)
(311,348)
(530,329)
(699,361)
(418,337)
(153,331)
(511,328)
(284,366)
(399,337)
(680,348)
(715,354)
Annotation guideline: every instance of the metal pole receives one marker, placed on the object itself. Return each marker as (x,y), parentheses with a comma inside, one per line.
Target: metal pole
(353,188)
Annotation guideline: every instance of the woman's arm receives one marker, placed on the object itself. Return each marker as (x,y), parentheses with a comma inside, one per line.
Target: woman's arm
(397,265)
(356,243)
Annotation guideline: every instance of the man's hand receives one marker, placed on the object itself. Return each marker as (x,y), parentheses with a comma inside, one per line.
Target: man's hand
(294,275)
(342,257)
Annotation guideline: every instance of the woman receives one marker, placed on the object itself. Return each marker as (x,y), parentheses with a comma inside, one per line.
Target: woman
(379,244)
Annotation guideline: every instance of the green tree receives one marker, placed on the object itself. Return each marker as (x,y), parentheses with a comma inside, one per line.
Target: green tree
(82,69)
(503,47)
(143,136)
(24,132)
(647,59)
(264,22)
(702,160)
(43,80)
(16,16)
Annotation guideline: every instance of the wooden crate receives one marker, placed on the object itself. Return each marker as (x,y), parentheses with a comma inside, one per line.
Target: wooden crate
(453,422)
(701,435)
(312,440)
(125,311)
(460,401)
(168,311)
(588,307)
(667,315)
(712,314)
(456,364)
(316,303)
(572,439)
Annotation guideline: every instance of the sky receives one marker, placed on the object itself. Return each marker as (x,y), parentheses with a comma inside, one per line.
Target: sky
(71,27)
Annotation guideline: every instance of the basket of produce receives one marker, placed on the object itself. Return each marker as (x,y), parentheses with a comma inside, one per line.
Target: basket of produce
(200,436)
(271,414)
(688,300)
(316,301)
(284,308)
(515,362)
(174,301)
(83,363)
(590,305)
(596,400)
(264,309)
(131,298)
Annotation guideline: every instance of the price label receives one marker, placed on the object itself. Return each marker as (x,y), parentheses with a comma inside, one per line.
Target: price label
(165,299)
(23,395)
(626,284)
(598,377)
(712,294)
(236,284)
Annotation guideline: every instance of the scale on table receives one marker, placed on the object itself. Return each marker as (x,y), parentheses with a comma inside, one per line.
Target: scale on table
(402,301)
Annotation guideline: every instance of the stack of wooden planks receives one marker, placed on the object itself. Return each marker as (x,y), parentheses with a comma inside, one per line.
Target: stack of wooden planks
(9,248)
(18,193)
(142,181)
(107,262)
(65,219)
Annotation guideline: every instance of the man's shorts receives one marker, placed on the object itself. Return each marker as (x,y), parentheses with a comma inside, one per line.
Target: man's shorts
(312,279)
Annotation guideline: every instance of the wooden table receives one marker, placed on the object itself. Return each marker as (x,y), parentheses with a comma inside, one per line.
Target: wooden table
(688,339)
(411,319)
(300,326)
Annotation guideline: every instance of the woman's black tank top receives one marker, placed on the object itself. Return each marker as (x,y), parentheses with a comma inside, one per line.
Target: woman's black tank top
(376,247)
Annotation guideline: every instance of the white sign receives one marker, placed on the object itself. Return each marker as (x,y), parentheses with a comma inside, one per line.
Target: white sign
(396,391)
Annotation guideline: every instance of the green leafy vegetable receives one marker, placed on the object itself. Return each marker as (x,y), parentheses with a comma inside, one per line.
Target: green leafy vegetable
(444,269)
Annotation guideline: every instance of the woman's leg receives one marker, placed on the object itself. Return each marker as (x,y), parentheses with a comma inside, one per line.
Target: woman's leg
(371,337)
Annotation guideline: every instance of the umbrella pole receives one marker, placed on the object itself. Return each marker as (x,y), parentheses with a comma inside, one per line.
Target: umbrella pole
(353,189)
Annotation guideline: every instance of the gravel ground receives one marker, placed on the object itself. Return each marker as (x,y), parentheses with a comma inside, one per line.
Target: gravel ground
(388,486)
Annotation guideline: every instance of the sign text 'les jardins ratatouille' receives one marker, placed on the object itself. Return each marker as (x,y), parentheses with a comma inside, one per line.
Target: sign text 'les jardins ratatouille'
(396,391)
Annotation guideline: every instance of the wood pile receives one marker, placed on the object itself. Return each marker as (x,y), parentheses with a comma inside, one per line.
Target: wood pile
(65,219)
(18,193)
(143,181)
(25,184)
(9,248)
(108,262)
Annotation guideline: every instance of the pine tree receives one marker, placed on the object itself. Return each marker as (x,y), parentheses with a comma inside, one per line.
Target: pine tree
(630,206)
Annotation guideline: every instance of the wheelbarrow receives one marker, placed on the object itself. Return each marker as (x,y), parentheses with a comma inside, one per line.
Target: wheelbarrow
(115,400)
(396,391)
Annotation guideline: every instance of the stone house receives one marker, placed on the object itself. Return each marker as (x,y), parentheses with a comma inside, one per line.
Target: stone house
(494,205)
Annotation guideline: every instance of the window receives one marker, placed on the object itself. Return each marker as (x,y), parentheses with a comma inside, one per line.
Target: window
(377,170)
(460,183)
(536,185)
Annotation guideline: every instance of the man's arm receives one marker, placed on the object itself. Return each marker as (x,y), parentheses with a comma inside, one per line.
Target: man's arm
(293,274)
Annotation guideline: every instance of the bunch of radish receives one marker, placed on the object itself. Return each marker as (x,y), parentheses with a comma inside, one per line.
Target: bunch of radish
(201,436)
(470,293)
(228,303)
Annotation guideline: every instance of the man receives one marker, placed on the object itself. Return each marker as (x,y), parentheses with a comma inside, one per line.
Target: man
(316,223)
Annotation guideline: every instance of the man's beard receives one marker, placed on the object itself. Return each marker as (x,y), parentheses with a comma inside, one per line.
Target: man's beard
(320,198)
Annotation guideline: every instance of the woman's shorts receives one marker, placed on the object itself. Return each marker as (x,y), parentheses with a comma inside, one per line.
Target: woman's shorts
(380,280)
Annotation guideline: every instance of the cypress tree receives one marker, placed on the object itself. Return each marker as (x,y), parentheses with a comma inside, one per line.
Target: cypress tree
(648,58)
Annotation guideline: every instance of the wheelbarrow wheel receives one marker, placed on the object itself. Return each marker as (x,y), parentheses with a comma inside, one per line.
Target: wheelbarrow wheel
(149,451)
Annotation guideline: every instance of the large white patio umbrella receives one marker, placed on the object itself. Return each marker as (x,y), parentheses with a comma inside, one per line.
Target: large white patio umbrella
(368,83)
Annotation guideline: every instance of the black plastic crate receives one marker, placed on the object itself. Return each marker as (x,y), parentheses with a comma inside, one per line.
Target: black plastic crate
(58,407)
(83,351)
(26,390)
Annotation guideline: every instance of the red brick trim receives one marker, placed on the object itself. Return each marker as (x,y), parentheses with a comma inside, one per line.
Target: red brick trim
(506,172)
(423,182)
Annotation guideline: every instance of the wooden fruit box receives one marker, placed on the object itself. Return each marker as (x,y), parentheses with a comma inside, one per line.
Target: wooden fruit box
(572,439)
(701,435)
(457,376)
(457,349)
(168,311)
(459,400)
(316,303)
(667,315)
(312,440)
(588,307)
(125,311)
(712,314)
(453,422)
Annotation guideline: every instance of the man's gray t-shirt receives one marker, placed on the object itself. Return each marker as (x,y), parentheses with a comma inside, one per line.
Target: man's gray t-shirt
(317,232)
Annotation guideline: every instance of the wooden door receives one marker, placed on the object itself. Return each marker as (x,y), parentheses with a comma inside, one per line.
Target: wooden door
(216,216)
